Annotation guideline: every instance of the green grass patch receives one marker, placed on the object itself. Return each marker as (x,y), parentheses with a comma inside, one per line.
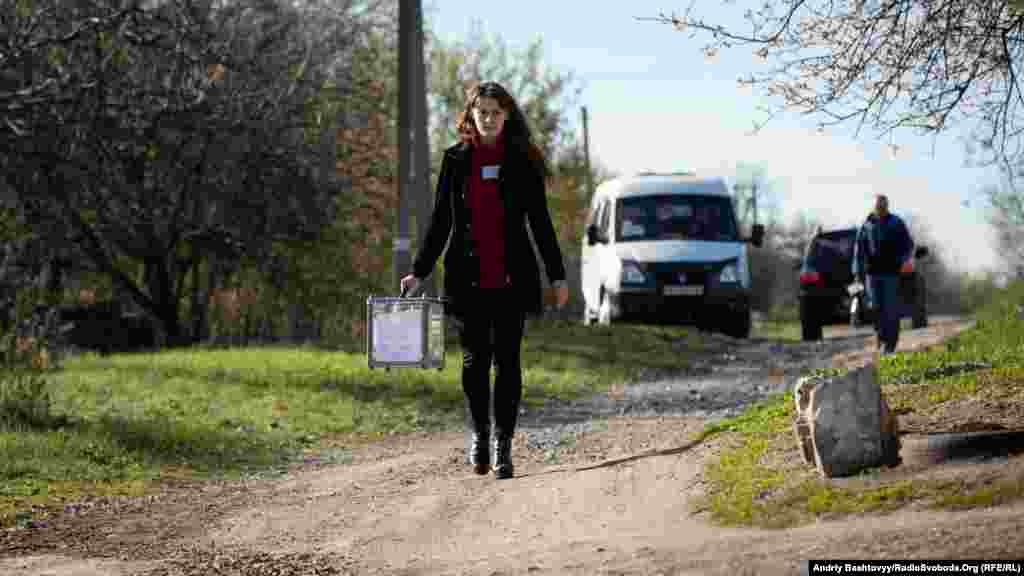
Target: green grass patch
(766,417)
(760,479)
(738,482)
(566,359)
(119,424)
(778,329)
(1001,491)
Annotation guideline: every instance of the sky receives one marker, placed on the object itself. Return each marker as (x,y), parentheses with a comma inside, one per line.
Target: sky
(656,102)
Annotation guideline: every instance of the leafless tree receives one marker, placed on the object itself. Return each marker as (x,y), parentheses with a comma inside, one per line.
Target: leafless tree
(791,239)
(546,95)
(151,138)
(926,65)
(1006,215)
(944,283)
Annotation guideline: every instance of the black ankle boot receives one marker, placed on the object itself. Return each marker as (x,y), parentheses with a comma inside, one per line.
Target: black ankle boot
(478,453)
(503,458)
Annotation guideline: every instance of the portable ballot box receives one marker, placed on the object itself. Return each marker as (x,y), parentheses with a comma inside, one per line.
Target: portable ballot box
(405,332)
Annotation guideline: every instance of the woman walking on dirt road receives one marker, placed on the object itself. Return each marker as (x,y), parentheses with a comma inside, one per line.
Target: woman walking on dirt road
(491,183)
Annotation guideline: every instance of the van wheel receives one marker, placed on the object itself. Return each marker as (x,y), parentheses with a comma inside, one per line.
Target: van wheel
(588,320)
(741,324)
(604,312)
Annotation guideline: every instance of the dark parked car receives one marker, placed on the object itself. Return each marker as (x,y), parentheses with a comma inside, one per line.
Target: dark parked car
(829,294)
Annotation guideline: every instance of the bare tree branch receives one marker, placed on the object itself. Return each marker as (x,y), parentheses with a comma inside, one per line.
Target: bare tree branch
(684,22)
(929,65)
(146,116)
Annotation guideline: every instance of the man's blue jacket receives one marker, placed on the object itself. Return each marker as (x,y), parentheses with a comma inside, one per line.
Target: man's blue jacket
(882,246)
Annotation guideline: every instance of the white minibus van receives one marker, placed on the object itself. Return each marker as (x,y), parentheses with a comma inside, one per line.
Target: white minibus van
(667,248)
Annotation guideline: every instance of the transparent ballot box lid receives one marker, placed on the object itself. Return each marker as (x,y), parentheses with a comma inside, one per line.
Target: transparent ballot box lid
(405,332)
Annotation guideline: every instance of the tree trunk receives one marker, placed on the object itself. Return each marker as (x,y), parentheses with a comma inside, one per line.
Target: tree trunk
(213,276)
(200,305)
(167,313)
(50,279)
(159,283)
(294,323)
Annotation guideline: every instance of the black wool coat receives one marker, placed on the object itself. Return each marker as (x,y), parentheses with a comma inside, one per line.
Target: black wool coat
(522,189)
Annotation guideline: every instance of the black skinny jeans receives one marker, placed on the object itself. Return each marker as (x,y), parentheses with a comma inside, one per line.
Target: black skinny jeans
(492,331)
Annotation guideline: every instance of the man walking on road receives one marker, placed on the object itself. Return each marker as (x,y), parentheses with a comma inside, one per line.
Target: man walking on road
(882,252)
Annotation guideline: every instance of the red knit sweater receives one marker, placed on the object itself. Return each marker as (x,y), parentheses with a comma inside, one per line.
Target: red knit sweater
(488,213)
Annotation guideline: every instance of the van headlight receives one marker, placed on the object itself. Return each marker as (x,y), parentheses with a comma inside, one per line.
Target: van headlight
(729,275)
(632,273)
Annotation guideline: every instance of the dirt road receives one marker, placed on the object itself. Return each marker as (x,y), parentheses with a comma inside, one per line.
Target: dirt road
(601,488)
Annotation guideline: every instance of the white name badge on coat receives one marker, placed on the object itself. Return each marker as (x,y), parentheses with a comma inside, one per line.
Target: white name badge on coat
(489,172)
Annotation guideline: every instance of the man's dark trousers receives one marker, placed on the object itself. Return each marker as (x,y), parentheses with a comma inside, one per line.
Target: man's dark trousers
(884,294)
(492,331)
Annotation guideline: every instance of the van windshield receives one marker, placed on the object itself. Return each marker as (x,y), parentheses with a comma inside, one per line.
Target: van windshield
(675,217)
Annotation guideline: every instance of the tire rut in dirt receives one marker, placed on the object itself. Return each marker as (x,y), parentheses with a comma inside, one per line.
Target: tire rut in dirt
(203,562)
(721,384)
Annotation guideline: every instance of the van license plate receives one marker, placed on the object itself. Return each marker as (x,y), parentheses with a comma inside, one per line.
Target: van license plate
(673,290)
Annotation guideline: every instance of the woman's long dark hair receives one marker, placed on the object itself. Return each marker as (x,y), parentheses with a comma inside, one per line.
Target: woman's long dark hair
(516,132)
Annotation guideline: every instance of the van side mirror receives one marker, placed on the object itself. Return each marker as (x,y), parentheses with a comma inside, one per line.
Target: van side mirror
(757,235)
(920,252)
(594,235)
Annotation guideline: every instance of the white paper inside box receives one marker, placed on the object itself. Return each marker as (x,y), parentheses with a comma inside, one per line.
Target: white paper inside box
(405,332)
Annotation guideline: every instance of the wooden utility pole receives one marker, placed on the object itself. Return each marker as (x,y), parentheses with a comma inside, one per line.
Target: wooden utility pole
(421,149)
(588,179)
(402,243)
(413,152)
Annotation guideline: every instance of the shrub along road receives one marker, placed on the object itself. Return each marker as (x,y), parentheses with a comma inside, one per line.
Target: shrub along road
(605,485)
